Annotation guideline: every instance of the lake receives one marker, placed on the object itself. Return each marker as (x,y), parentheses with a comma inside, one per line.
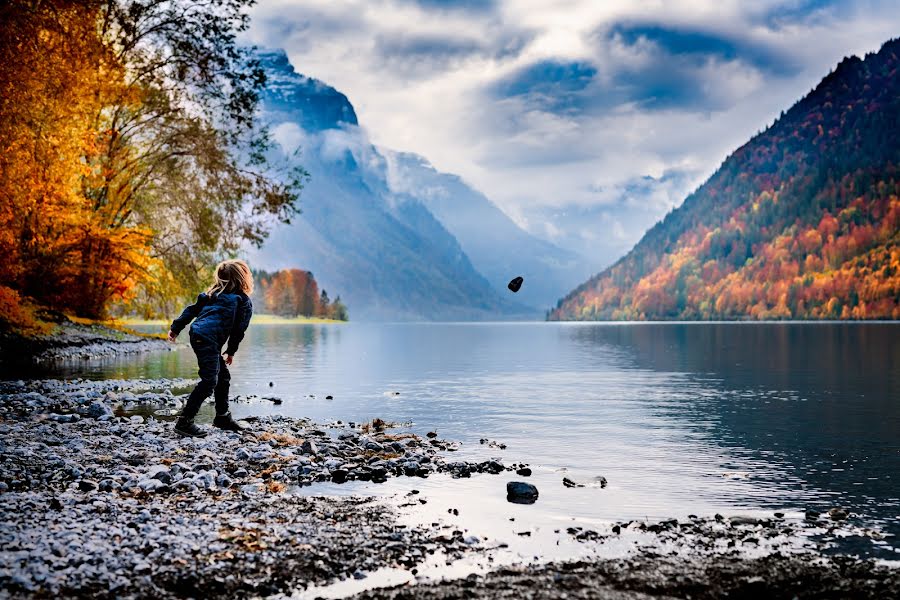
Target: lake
(680,418)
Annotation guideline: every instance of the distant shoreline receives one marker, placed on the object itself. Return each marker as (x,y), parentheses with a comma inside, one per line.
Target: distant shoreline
(259,319)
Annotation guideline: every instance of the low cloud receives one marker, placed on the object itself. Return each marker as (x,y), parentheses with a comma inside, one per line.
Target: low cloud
(608,111)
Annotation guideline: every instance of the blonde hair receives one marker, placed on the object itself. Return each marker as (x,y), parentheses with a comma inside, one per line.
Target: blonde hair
(232,276)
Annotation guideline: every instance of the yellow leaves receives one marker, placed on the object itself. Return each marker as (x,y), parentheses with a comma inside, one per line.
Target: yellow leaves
(250,540)
(62,244)
(281,438)
(275,487)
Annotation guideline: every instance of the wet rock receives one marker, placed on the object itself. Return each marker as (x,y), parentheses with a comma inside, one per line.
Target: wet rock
(520,492)
(570,483)
(309,447)
(339,475)
(524,472)
(98,410)
(838,514)
(494,467)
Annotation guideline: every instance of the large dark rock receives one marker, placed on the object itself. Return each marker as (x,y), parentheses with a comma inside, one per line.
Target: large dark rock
(520,492)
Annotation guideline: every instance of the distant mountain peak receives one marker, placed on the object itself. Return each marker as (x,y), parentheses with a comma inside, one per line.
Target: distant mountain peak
(314,105)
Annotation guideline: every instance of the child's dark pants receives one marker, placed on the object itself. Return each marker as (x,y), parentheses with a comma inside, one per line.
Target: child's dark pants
(214,378)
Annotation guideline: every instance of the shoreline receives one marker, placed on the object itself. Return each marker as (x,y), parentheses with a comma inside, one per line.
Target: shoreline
(257,319)
(90,494)
(72,340)
(97,502)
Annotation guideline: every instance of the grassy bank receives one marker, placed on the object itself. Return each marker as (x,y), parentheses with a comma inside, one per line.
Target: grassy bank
(258,319)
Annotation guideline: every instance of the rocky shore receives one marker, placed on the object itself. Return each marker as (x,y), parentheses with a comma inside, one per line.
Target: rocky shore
(661,577)
(98,498)
(97,502)
(71,341)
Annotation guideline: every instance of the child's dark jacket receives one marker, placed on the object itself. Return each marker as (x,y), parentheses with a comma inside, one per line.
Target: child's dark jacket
(217,318)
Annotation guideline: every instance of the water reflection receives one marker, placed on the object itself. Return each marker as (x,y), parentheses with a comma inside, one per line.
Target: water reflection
(806,414)
(821,401)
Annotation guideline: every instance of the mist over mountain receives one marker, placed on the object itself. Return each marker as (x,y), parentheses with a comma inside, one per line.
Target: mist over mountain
(497,247)
(395,238)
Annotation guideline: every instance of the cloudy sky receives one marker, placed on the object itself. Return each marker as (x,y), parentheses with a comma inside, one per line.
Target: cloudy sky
(584,120)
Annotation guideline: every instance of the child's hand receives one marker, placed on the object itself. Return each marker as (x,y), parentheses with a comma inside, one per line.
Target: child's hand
(228,359)
(172,336)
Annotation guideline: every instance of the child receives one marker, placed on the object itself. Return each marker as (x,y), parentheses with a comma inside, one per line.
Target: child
(220,314)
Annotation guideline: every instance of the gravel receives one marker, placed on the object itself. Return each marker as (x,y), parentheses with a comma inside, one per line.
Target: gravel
(98,502)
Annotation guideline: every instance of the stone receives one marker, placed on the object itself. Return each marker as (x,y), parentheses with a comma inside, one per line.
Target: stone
(98,409)
(339,475)
(161,473)
(524,472)
(151,485)
(520,492)
(87,485)
(571,484)
(838,514)
(242,454)
(108,485)
(309,447)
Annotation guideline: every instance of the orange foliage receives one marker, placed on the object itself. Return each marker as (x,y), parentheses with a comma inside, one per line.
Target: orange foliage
(60,246)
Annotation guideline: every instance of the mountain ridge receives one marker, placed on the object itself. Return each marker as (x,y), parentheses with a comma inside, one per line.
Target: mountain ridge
(775,231)
(425,262)
(387,256)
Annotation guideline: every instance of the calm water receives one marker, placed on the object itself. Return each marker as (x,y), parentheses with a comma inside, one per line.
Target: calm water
(680,418)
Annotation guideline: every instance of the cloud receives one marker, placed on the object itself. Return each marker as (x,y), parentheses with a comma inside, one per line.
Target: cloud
(549,85)
(475,6)
(609,111)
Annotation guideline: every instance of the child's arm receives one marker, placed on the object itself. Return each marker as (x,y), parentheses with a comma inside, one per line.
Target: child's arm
(186,316)
(241,322)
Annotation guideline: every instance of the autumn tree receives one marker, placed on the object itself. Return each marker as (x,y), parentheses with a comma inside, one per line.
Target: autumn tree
(294,292)
(189,161)
(131,157)
(56,75)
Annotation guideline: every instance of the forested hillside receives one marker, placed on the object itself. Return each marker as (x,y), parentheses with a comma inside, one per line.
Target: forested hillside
(293,293)
(801,222)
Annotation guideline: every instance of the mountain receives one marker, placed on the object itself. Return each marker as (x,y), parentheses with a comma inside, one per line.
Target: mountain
(803,221)
(497,247)
(384,252)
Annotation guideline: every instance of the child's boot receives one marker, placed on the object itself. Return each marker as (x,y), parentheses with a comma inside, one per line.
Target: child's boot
(187,428)
(227,423)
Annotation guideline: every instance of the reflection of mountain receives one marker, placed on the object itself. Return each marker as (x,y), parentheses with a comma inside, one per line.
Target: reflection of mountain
(820,400)
(395,251)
